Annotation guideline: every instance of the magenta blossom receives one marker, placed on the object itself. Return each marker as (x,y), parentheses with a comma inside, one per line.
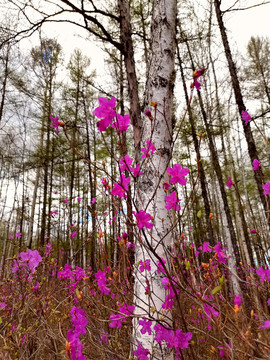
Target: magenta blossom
(256,164)
(136,171)
(148,151)
(141,353)
(266,188)
(237,301)
(117,319)
(196,76)
(246,117)
(145,265)
(230,183)
(55,123)
(143,220)
(125,163)
(172,202)
(210,311)
(146,326)
(122,123)
(220,254)
(105,112)
(29,260)
(266,325)
(101,282)
(121,187)
(205,247)
(160,266)
(263,273)
(126,166)
(178,174)
(79,321)
(166,186)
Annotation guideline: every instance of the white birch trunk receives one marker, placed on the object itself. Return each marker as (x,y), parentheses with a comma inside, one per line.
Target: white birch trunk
(231,255)
(159,88)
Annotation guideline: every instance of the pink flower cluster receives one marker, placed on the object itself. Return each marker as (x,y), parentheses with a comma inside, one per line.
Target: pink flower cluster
(196,75)
(106,112)
(121,187)
(79,321)
(28,260)
(148,151)
(75,275)
(125,165)
(116,319)
(101,282)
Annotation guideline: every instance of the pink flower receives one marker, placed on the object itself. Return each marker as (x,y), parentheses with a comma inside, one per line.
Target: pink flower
(246,117)
(146,326)
(264,274)
(266,188)
(230,183)
(122,123)
(65,201)
(220,254)
(136,171)
(29,259)
(36,286)
(266,325)
(253,231)
(125,163)
(141,352)
(79,321)
(166,186)
(55,123)
(178,174)
(121,187)
(94,200)
(172,202)
(160,266)
(145,265)
(256,164)
(73,235)
(105,184)
(18,235)
(148,151)
(101,282)
(116,320)
(79,199)
(106,112)
(143,220)
(237,300)
(196,76)
(210,311)
(205,247)
(148,114)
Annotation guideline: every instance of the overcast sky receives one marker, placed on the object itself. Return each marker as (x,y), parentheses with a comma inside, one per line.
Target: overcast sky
(241,25)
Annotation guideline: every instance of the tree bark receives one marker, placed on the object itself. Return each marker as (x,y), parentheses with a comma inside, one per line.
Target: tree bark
(252,150)
(154,244)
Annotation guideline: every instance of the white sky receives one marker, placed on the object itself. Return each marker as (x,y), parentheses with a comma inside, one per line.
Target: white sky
(244,24)
(241,25)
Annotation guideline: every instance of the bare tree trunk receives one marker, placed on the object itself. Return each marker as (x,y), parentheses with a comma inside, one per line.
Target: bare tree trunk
(252,150)
(159,88)
(128,52)
(201,172)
